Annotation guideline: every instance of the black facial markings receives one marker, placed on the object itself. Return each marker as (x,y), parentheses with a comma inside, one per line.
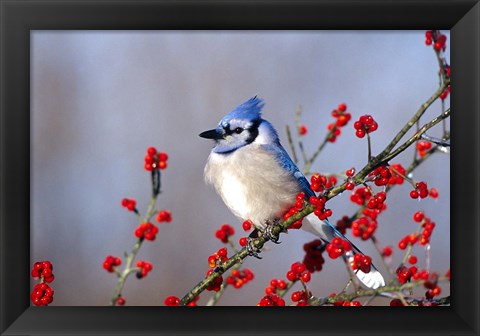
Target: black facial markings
(252,135)
(252,131)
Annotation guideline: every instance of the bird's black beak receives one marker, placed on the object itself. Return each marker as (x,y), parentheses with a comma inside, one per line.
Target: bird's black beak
(212,134)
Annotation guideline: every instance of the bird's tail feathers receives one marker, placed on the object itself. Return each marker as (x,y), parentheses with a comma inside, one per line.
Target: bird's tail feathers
(326,232)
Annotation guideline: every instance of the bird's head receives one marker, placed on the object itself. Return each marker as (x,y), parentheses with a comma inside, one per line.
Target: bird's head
(241,127)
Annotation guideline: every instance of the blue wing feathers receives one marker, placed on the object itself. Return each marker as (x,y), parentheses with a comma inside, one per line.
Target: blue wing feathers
(284,159)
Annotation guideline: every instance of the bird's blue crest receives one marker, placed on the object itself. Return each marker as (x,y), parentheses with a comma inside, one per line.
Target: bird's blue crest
(250,110)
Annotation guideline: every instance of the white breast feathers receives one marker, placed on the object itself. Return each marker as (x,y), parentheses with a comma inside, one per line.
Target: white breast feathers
(252,183)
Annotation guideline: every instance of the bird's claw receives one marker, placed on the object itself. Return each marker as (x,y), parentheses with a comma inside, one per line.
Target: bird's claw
(252,249)
(269,232)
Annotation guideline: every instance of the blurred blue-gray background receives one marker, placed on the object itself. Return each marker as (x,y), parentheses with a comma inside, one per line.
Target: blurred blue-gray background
(100,98)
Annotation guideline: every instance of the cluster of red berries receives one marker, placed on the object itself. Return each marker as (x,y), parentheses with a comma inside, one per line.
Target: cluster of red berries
(224,233)
(295,209)
(343,224)
(313,259)
(217,257)
(423,147)
(320,211)
(361,262)
(111,262)
(337,247)
(421,190)
(146,231)
(172,301)
(298,271)
(364,227)
(302,130)
(335,133)
(144,268)
(353,303)
(428,227)
(397,174)
(319,182)
(155,160)
(342,117)
(271,300)
(129,203)
(404,273)
(366,124)
(216,284)
(373,213)
(438,39)
(164,216)
(43,269)
(350,173)
(301,297)
(361,195)
(410,239)
(238,278)
(275,285)
(381,175)
(377,202)
(424,237)
(42,294)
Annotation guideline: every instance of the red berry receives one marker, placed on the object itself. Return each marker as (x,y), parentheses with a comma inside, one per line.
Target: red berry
(120,301)
(387,251)
(242,241)
(433,193)
(164,216)
(414,194)
(418,216)
(162,156)
(302,130)
(247,225)
(151,151)
(172,301)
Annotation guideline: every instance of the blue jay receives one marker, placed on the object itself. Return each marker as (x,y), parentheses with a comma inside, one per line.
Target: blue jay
(257,180)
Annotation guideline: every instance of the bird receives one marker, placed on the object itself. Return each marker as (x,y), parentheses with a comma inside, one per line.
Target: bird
(258,181)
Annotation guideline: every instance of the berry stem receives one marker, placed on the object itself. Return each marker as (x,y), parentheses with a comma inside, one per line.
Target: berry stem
(292,147)
(369,147)
(409,247)
(298,113)
(379,250)
(376,292)
(309,162)
(130,258)
(417,135)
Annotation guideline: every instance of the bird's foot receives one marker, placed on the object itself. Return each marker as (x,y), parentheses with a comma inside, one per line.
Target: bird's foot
(252,249)
(269,231)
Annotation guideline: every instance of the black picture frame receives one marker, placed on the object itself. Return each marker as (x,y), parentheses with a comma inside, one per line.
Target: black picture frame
(18,18)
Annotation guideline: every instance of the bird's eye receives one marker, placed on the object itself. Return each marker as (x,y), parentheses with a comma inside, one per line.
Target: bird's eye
(238,130)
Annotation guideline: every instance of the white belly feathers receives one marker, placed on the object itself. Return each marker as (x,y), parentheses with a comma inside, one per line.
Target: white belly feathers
(252,184)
